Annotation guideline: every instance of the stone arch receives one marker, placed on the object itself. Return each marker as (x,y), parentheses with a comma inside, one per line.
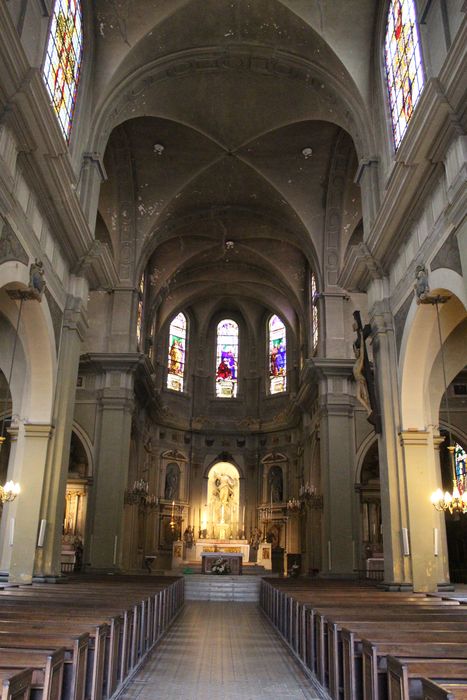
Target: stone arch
(421,385)
(33,381)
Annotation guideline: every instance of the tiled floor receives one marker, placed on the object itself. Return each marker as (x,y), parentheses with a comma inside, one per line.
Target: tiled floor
(221,651)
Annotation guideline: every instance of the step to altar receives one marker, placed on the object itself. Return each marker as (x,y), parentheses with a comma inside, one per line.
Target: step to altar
(222,587)
(248,569)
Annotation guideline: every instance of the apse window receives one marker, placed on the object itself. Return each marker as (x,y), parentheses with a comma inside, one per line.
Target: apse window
(227,359)
(63,60)
(277,356)
(404,69)
(177,351)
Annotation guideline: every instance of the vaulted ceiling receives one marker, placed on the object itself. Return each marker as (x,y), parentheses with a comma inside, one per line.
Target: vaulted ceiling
(220,120)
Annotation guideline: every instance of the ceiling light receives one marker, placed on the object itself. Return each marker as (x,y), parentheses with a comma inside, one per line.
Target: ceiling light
(307,152)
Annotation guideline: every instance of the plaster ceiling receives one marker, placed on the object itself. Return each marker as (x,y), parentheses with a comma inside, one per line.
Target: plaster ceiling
(232,166)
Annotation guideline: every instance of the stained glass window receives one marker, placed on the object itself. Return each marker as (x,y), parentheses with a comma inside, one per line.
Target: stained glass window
(227,359)
(63,60)
(139,314)
(404,70)
(277,356)
(460,456)
(314,314)
(177,351)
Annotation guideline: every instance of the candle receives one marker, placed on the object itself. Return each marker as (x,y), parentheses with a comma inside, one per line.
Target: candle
(243,519)
(173,506)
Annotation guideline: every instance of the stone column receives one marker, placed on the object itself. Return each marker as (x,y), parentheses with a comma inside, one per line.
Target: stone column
(337,465)
(29,470)
(397,570)
(55,478)
(422,475)
(116,404)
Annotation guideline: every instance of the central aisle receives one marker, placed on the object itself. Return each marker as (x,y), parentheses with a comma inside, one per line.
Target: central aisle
(220,650)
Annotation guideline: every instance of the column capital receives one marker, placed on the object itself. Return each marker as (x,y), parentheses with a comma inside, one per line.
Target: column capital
(414,437)
(38,430)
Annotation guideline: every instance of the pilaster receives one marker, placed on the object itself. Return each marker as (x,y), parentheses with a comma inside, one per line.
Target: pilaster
(55,478)
(28,469)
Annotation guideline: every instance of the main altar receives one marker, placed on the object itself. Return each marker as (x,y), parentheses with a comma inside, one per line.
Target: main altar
(206,546)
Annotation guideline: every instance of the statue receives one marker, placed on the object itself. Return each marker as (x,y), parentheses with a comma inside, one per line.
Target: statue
(36,279)
(421,286)
(224,488)
(275,484)
(363,373)
(171,482)
(188,537)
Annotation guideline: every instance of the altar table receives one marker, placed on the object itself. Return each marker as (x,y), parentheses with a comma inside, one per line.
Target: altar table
(234,559)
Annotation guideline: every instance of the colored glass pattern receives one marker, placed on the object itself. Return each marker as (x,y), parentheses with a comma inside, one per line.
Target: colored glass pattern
(404,70)
(460,457)
(139,314)
(63,60)
(277,356)
(227,359)
(177,350)
(314,314)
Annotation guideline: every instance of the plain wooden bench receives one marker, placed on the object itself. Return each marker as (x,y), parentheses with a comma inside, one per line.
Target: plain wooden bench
(48,670)
(16,686)
(374,660)
(443,691)
(405,675)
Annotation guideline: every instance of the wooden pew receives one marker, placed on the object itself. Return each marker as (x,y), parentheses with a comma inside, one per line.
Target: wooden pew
(405,675)
(374,660)
(48,670)
(443,691)
(16,686)
(345,645)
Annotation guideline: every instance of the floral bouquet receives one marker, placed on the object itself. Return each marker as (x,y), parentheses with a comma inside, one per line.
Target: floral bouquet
(220,566)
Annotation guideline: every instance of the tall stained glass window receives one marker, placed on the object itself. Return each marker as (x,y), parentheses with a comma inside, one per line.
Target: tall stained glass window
(139,314)
(277,356)
(63,60)
(314,313)
(404,70)
(227,359)
(177,351)
(460,457)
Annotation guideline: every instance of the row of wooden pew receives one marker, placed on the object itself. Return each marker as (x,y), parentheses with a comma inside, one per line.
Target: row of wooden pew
(83,639)
(361,642)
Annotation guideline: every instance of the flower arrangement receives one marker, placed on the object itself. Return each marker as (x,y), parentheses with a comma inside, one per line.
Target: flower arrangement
(220,566)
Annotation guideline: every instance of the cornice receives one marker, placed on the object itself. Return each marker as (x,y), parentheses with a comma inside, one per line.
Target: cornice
(100,362)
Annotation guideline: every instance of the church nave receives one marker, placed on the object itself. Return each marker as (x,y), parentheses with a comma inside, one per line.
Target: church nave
(215,650)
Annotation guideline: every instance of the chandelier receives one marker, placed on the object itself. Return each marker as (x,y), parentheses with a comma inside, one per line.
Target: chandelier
(8,492)
(139,495)
(294,505)
(455,502)
(309,497)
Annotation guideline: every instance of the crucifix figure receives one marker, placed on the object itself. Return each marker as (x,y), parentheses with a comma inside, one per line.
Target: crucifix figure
(363,373)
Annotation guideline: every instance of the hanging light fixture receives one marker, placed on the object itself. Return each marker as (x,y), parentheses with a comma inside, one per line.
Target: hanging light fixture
(455,502)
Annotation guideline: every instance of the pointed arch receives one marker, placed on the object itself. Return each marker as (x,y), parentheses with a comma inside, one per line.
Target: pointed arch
(177,353)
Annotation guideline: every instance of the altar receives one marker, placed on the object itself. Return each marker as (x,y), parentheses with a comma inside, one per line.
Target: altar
(231,560)
(228,546)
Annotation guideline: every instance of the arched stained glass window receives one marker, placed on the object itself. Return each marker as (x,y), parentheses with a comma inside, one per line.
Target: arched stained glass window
(139,314)
(461,469)
(277,356)
(227,359)
(314,313)
(404,70)
(63,60)
(177,351)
